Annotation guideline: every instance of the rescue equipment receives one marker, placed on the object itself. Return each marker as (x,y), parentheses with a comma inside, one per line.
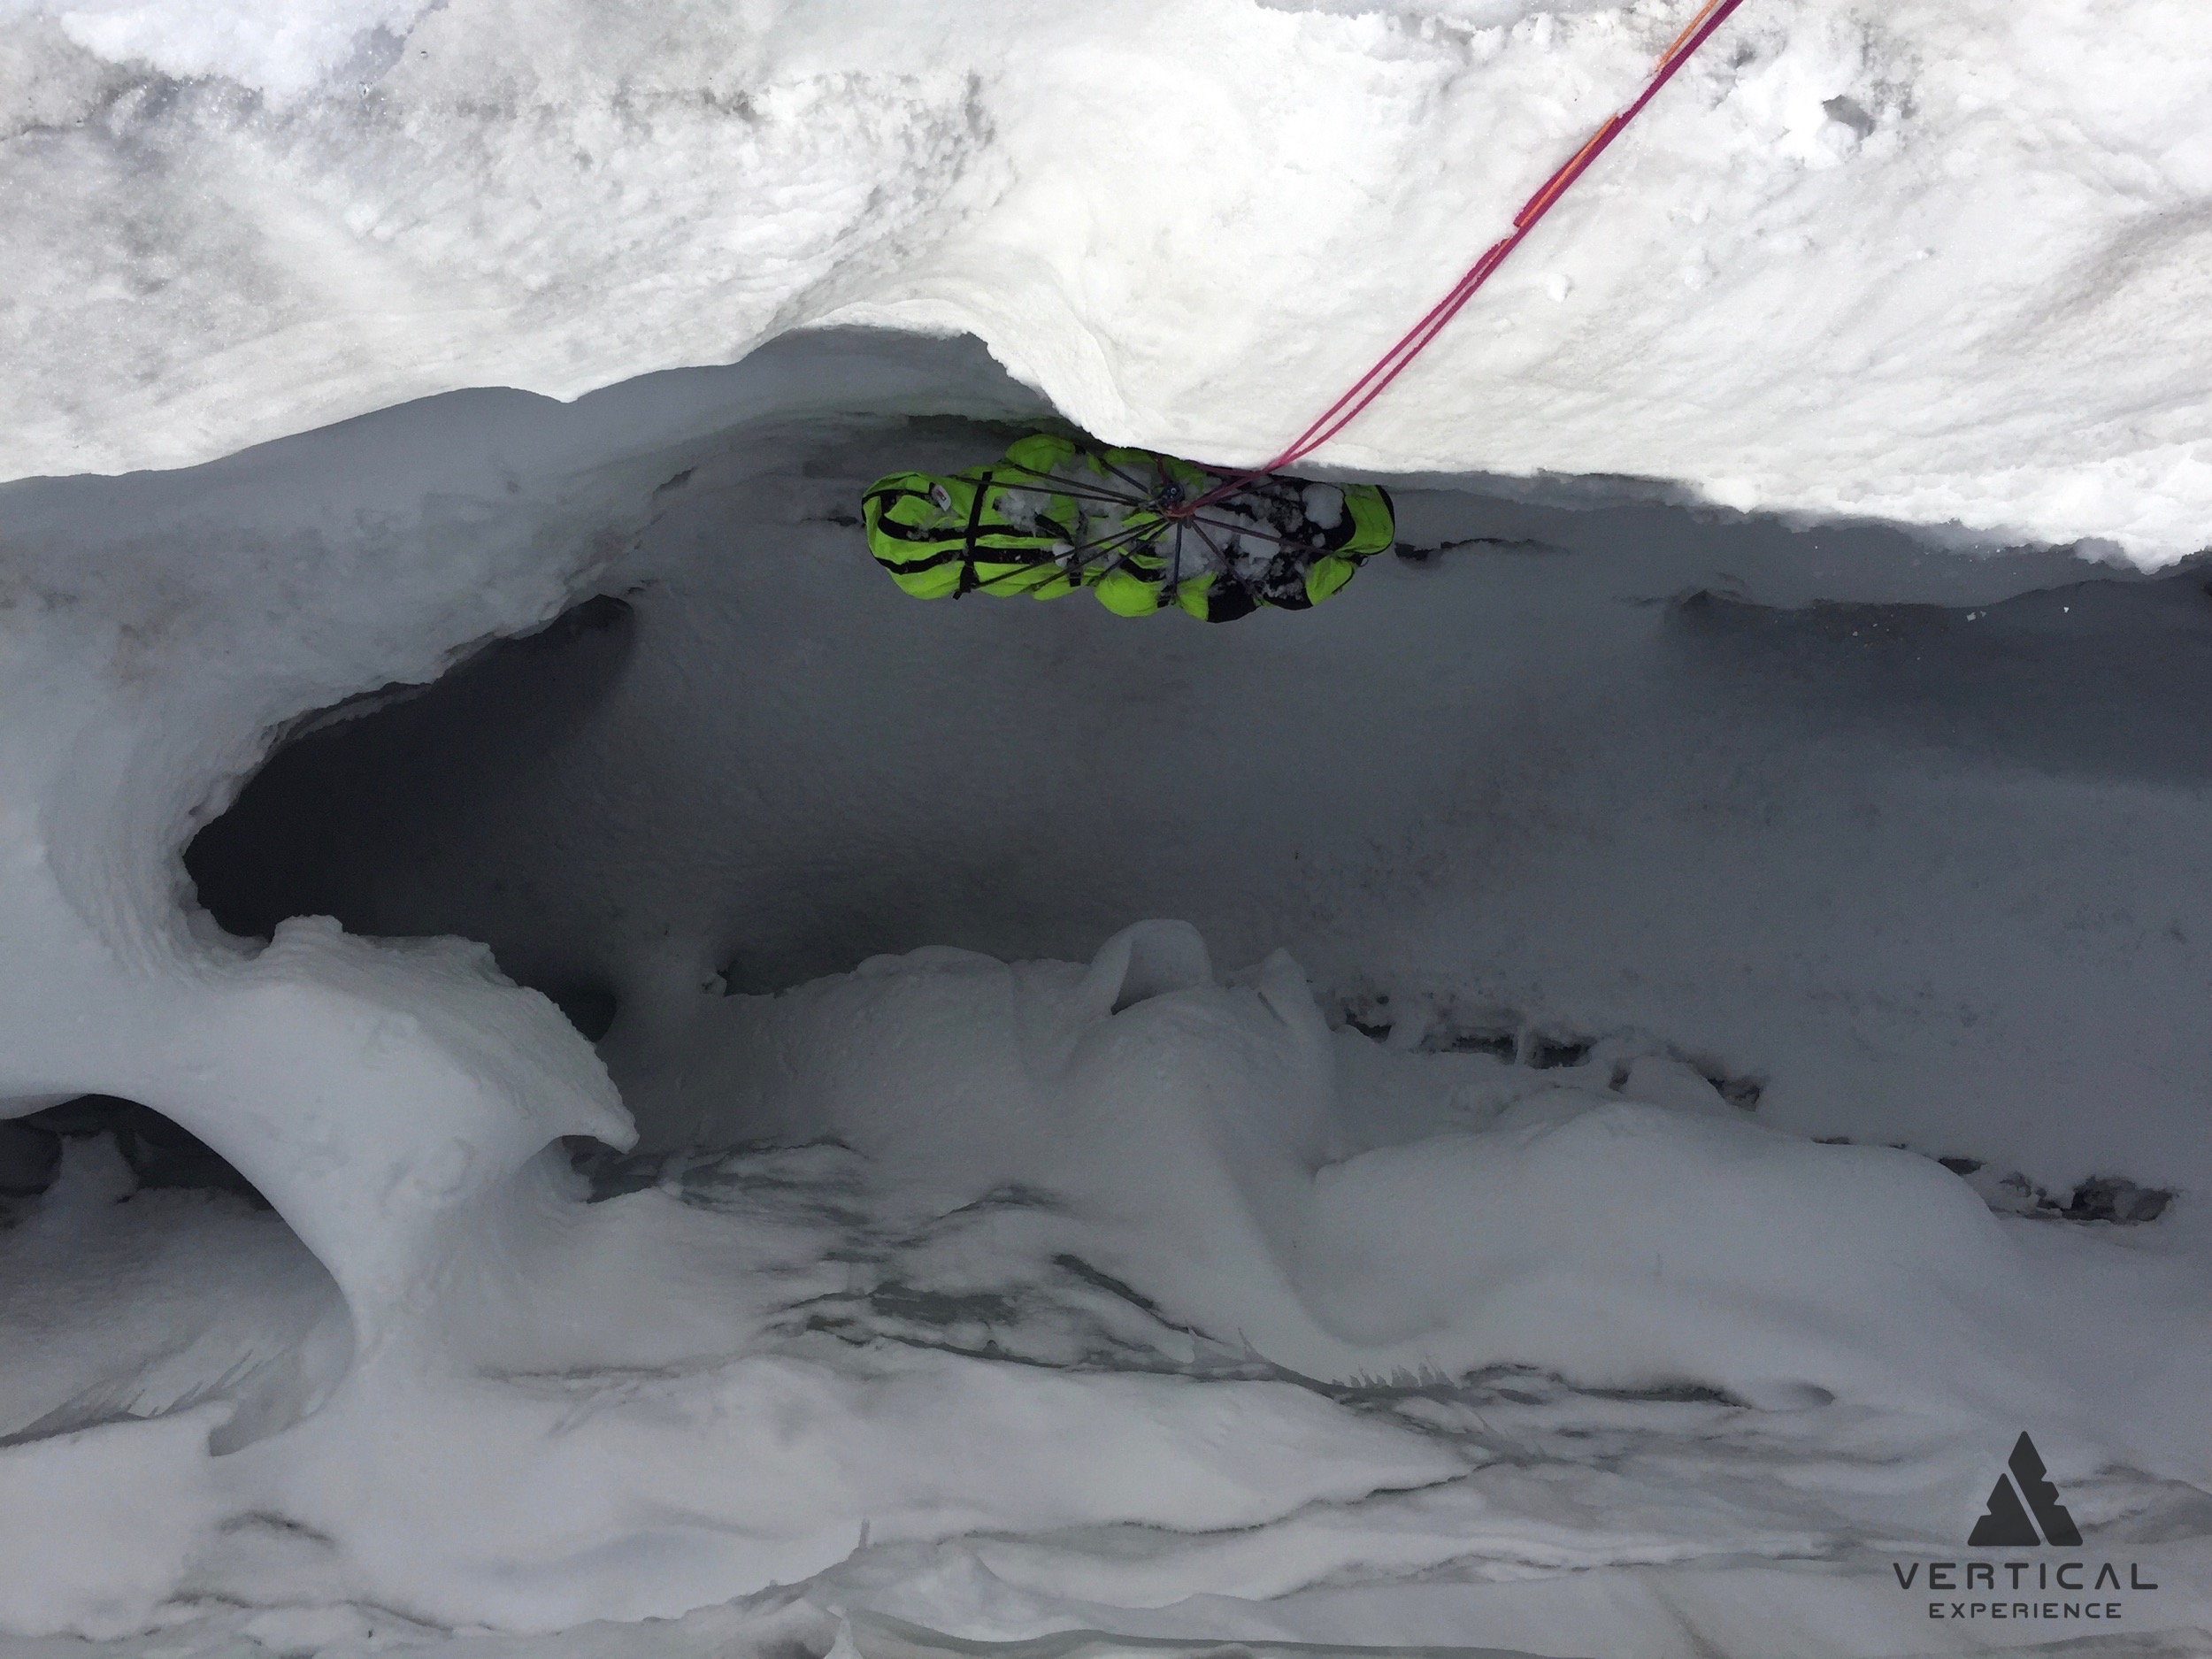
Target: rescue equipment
(1144,531)
(1053,515)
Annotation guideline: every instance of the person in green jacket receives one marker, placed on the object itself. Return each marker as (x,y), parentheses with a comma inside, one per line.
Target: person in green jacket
(1053,515)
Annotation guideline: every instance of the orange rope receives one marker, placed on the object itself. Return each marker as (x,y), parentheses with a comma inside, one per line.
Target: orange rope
(1696,24)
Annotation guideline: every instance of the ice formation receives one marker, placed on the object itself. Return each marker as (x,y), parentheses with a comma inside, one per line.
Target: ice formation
(1425,1238)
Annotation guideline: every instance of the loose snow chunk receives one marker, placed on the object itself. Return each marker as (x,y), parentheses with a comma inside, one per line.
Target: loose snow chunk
(1324,505)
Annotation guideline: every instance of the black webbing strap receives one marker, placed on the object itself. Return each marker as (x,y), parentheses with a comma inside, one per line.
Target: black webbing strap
(968,583)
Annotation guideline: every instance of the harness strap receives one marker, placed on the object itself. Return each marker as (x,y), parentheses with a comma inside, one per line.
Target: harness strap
(967,580)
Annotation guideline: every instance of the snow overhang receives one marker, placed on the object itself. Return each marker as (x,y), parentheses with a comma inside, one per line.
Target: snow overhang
(1941,265)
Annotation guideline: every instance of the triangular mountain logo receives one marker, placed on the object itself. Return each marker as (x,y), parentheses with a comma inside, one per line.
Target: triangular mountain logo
(2007,1522)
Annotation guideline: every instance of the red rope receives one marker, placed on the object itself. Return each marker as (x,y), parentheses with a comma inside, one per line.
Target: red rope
(1394,362)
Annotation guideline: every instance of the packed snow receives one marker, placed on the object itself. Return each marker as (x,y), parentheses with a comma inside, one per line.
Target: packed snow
(1966,239)
(580,1076)
(1129,1294)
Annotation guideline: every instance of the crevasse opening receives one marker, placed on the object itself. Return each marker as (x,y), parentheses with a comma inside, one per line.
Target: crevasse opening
(1631,1084)
(1004,1116)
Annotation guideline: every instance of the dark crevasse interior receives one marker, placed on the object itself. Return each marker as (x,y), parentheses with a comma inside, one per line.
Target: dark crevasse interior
(372,812)
(160,1155)
(1890,841)
(338,819)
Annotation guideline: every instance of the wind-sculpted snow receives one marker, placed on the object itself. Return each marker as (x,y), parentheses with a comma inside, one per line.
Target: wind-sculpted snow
(1933,261)
(1091,1284)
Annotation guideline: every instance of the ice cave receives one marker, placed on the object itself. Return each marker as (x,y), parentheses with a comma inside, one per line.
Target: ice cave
(582,1076)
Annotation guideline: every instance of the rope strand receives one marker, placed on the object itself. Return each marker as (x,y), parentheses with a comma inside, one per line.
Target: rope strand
(1393,363)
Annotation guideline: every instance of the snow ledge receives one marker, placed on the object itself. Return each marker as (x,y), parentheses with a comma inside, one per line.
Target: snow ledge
(1939,264)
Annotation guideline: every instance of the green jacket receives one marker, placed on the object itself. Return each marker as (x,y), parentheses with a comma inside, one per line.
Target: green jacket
(1053,516)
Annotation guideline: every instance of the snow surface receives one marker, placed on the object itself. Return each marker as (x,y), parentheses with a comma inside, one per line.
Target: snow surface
(1935,262)
(1430,1238)
(955,1364)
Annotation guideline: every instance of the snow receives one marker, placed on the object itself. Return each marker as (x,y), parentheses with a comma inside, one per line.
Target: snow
(283,54)
(763,1368)
(992,1264)
(1962,240)
(1413,1125)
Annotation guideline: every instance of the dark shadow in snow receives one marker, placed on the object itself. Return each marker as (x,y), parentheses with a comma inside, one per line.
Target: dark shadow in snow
(161,1154)
(400,780)
(1519,767)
